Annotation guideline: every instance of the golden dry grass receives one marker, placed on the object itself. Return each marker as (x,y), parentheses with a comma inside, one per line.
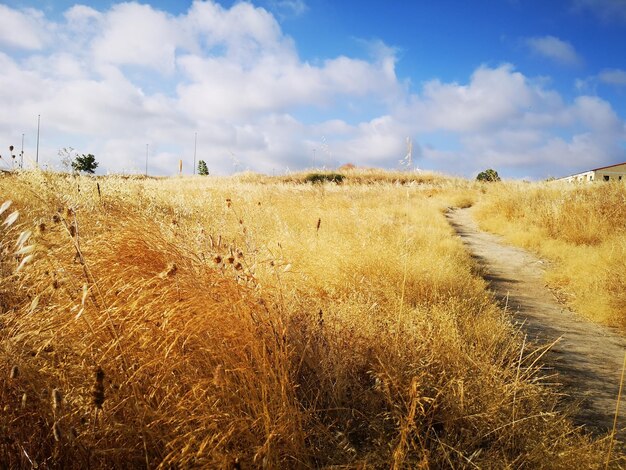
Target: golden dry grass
(581,228)
(249,322)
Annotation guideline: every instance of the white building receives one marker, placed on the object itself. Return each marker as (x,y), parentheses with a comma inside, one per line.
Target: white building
(615,172)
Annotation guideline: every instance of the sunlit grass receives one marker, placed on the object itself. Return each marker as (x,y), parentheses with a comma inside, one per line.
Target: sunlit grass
(260,322)
(581,228)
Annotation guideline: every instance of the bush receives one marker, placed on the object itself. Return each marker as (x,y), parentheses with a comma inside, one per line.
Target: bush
(324,177)
(488,175)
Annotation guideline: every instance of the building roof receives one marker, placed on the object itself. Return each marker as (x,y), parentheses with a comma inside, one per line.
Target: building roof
(593,169)
(605,167)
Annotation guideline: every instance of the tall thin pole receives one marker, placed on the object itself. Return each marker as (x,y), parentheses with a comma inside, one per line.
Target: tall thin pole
(195,148)
(38,125)
(147,145)
(22,153)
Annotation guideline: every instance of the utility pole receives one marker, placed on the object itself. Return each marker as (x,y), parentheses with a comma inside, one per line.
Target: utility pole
(147,146)
(195,148)
(37,154)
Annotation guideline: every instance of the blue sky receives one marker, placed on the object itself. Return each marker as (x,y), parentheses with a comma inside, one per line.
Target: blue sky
(531,88)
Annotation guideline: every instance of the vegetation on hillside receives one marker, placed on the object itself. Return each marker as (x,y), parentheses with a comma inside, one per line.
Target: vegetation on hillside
(252,322)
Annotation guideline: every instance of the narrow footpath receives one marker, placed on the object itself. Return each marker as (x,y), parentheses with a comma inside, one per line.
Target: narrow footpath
(587,358)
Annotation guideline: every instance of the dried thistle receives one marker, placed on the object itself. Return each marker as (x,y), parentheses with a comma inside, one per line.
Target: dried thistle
(238,267)
(56,218)
(217,259)
(72,229)
(97,393)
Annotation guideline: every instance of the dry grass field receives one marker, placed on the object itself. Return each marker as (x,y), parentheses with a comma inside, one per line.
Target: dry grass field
(251,322)
(580,228)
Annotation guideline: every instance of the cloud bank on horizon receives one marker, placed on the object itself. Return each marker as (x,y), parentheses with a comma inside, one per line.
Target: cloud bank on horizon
(114,80)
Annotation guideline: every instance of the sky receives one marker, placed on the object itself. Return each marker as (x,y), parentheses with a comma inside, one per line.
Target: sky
(531,88)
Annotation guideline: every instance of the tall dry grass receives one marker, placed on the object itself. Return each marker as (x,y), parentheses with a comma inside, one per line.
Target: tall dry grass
(233,323)
(581,228)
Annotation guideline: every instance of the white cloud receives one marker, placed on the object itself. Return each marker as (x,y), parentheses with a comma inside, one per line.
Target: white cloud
(108,82)
(615,77)
(288,8)
(554,49)
(491,96)
(134,34)
(23,29)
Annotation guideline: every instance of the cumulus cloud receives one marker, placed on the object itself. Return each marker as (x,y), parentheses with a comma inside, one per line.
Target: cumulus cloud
(134,34)
(23,29)
(108,82)
(554,49)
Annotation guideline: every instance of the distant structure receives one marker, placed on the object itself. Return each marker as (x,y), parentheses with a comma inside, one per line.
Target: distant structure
(407,161)
(615,172)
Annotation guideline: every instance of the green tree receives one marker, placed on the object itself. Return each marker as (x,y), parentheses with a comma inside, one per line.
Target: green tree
(202,168)
(488,175)
(86,163)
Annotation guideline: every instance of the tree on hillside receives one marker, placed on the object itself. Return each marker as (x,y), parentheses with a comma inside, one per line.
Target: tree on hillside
(86,163)
(202,168)
(488,175)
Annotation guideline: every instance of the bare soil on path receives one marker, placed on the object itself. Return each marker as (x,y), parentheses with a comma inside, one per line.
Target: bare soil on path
(587,358)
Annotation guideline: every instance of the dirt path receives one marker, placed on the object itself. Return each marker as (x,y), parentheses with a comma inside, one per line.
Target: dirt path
(588,357)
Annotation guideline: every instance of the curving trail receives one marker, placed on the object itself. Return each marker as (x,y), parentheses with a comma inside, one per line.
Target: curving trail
(587,358)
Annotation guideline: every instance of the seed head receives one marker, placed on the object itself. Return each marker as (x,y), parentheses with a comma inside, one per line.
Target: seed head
(217,259)
(169,271)
(57,399)
(97,394)
(56,218)
(72,229)
(56,432)
(218,376)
